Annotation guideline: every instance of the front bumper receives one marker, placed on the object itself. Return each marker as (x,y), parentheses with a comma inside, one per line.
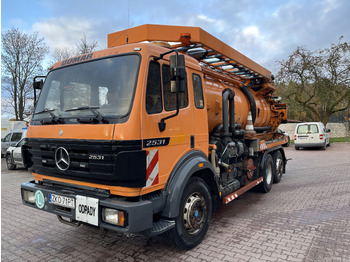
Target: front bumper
(138,215)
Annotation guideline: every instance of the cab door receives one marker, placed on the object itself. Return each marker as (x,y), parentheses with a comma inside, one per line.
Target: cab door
(164,148)
(17,152)
(200,117)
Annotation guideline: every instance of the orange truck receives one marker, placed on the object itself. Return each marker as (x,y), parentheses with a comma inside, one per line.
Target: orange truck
(149,135)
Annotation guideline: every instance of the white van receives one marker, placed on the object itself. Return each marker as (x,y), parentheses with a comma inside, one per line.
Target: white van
(11,139)
(311,134)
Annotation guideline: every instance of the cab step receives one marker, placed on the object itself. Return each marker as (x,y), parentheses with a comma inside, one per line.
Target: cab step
(162,226)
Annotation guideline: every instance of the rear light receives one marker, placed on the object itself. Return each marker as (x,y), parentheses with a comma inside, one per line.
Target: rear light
(321,136)
(295,137)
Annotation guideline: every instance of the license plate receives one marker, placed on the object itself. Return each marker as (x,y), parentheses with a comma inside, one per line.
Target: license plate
(87,210)
(61,201)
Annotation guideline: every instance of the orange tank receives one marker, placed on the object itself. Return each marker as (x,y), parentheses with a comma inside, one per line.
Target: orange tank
(268,113)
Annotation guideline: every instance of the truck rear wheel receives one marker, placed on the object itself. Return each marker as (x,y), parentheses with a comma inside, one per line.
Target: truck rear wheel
(279,165)
(191,225)
(266,184)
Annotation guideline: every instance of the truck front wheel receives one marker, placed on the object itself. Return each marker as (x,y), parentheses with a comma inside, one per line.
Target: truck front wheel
(191,225)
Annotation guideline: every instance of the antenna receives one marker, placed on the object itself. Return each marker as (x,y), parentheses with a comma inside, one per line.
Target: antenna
(127,35)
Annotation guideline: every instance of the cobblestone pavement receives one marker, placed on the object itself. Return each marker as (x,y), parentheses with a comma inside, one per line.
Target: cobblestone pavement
(306,217)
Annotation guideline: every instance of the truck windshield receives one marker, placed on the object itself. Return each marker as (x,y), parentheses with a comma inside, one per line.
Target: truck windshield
(102,87)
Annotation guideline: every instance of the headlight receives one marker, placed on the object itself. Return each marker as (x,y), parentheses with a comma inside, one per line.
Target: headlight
(29,196)
(113,216)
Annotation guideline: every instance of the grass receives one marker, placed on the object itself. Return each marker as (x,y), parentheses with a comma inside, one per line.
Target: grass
(340,139)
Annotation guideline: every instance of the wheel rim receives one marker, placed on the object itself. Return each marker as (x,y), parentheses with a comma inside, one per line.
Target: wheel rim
(269,174)
(194,213)
(279,166)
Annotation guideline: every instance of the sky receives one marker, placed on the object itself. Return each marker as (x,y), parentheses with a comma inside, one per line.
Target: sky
(265,31)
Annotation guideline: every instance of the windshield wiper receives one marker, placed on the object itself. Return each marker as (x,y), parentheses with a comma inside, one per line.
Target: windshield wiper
(82,108)
(98,117)
(53,120)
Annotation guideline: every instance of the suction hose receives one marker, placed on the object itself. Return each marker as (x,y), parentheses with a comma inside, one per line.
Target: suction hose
(251,99)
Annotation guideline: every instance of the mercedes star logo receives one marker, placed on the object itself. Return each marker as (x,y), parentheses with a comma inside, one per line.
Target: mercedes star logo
(62,158)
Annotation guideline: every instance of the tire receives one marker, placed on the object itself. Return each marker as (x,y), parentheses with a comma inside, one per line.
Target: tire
(324,146)
(288,144)
(192,223)
(266,184)
(9,163)
(278,162)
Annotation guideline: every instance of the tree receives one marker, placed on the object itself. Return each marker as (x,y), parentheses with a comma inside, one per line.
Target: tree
(82,47)
(60,54)
(318,82)
(22,55)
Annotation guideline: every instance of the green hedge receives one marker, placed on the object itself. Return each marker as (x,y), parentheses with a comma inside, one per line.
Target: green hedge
(340,139)
(333,140)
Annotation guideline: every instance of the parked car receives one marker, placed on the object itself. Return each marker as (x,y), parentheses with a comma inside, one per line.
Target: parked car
(14,155)
(285,133)
(11,139)
(311,134)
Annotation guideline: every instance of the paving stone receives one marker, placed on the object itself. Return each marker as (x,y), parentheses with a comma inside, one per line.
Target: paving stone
(305,217)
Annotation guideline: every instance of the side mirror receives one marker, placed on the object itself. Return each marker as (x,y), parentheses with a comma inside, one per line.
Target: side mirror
(177,67)
(177,80)
(328,130)
(38,84)
(2,140)
(177,71)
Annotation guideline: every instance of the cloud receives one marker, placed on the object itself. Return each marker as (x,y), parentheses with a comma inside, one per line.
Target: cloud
(64,32)
(290,24)
(265,31)
(329,6)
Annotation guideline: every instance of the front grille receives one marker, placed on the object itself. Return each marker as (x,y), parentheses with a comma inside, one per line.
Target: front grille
(90,160)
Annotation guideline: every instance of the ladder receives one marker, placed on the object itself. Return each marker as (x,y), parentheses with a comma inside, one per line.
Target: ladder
(199,44)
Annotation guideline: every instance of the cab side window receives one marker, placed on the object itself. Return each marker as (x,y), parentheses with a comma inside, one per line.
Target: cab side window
(170,97)
(198,91)
(16,136)
(154,93)
(22,142)
(7,138)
